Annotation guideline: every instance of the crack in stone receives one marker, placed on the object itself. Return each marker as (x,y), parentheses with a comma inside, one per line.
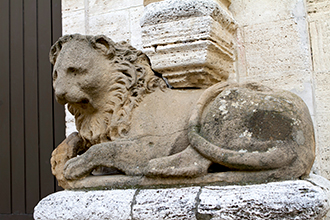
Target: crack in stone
(200,216)
(134,202)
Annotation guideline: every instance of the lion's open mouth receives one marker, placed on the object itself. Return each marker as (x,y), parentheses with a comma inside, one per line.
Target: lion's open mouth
(84,101)
(84,104)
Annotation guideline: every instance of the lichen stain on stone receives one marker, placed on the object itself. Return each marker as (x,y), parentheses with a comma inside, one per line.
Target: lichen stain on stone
(246,133)
(223,107)
(269,125)
(299,137)
(200,216)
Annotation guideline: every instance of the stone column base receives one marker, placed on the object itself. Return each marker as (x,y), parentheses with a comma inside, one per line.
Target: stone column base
(190,42)
(297,199)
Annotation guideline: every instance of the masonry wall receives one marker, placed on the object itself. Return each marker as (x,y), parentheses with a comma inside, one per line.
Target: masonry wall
(118,19)
(319,29)
(281,43)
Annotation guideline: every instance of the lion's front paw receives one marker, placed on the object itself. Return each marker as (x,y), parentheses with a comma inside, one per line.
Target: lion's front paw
(77,168)
(64,152)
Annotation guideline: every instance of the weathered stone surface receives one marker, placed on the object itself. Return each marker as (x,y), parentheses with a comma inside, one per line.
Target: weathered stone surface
(318,17)
(190,42)
(252,127)
(274,46)
(279,57)
(71,22)
(255,14)
(97,7)
(284,200)
(113,24)
(171,10)
(204,57)
(225,3)
(135,28)
(151,136)
(298,199)
(297,82)
(68,149)
(175,203)
(320,39)
(126,123)
(199,28)
(251,12)
(72,5)
(91,205)
(86,17)
(258,15)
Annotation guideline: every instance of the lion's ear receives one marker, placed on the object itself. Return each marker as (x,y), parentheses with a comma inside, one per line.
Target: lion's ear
(105,45)
(55,50)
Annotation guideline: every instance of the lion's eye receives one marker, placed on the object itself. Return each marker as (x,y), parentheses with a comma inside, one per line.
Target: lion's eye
(73,70)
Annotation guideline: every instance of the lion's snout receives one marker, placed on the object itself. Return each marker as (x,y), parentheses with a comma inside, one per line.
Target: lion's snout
(60,96)
(63,95)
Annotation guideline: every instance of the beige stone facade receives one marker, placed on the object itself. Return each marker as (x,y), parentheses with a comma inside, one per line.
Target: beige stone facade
(319,27)
(118,19)
(282,43)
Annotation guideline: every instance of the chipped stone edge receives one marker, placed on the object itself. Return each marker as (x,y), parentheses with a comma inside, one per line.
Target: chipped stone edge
(165,11)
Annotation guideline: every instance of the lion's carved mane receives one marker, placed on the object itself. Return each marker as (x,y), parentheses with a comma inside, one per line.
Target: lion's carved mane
(131,78)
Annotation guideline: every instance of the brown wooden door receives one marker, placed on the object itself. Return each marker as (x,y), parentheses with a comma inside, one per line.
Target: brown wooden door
(31,123)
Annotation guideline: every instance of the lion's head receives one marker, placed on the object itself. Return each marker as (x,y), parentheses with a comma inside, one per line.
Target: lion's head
(102,82)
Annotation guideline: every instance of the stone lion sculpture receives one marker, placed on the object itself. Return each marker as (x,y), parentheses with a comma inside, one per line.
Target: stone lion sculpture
(131,125)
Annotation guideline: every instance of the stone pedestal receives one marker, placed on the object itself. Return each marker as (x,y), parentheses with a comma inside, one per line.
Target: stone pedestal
(298,199)
(190,42)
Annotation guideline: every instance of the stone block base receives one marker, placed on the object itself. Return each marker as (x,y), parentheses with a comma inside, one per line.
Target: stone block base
(298,199)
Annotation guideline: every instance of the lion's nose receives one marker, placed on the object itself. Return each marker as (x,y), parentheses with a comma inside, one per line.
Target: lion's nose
(60,96)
